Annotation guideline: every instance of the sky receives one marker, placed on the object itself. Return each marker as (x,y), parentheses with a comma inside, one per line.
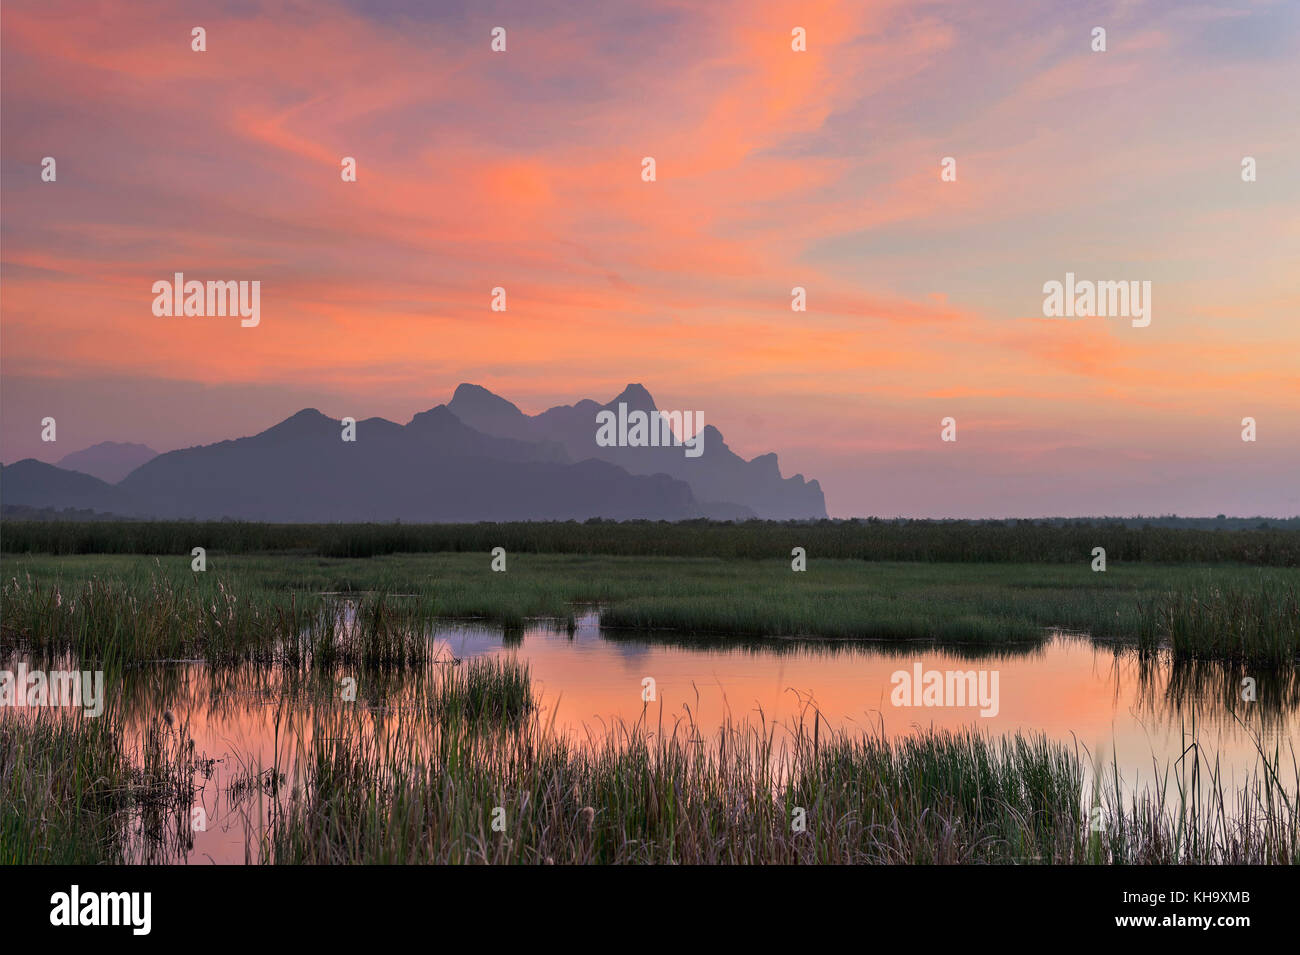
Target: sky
(775,168)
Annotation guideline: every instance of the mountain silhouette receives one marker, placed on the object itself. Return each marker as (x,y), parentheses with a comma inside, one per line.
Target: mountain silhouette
(478,458)
(109,460)
(433,469)
(719,478)
(32,483)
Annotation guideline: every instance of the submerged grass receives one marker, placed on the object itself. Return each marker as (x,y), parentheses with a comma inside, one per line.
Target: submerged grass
(485,690)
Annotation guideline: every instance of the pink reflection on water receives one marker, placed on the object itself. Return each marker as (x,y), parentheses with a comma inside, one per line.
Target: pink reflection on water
(1076,692)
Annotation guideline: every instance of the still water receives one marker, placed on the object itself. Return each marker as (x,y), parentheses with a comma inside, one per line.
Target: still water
(1115,708)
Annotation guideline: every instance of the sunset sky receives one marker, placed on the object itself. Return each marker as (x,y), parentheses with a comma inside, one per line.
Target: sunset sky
(775,169)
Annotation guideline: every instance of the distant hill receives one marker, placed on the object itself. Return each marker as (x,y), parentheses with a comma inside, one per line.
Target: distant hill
(35,484)
(730,486)
(500,465)
(109,460)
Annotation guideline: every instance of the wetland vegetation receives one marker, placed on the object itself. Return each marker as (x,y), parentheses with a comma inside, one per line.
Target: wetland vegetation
(442,759)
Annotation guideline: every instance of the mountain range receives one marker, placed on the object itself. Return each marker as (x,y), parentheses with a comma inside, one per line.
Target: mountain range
(477,458)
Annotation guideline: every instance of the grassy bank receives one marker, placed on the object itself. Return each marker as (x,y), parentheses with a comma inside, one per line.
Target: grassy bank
(275,607)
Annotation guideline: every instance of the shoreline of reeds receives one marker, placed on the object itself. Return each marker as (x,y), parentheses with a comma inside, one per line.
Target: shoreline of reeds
(376,611)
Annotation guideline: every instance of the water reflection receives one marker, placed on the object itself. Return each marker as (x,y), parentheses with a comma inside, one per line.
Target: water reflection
(251,725)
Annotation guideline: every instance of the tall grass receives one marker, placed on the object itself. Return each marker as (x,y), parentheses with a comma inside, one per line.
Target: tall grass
(1255,624)
(72,787)
(159,619)
(347,787)
(62,783)
(750,794)
(1021,541)
(377,611)
(485,690)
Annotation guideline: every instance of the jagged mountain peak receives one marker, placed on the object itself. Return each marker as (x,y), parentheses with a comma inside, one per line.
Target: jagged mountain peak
(717,476)
(468,394)
(636,397)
